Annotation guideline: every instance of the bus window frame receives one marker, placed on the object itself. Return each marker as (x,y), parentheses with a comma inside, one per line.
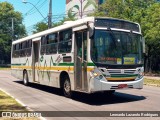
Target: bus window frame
(63,41)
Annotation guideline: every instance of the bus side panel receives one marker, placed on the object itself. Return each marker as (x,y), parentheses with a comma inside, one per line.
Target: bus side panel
(19,65)
(50,70)
(28,67)
(48,75)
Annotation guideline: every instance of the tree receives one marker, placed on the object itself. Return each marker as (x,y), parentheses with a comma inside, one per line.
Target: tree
(129,9)
(7,13)
(145,12)
(151,27)
(61,22)
(41,26)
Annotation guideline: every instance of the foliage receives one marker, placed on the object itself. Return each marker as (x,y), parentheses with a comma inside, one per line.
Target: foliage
(41,26)
(129,9)
(7,13)
(61,22)
(145,12)
(151,27)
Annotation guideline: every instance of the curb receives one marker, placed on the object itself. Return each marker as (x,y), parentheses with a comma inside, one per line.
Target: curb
(29,109)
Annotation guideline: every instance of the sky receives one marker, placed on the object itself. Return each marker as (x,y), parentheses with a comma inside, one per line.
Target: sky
(32,16)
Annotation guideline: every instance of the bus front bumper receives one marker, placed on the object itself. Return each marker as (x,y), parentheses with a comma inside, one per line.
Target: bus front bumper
(104,85)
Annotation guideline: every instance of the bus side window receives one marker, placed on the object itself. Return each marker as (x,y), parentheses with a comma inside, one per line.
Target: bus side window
(17,46)
(43,45)
(23,49)
(28,48)
(13,51)
(51,43)
(20,48)
(65,41)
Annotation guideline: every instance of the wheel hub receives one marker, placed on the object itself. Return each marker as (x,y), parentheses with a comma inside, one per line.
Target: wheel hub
(67,87)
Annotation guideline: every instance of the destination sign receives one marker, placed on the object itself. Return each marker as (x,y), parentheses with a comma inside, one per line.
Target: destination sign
(116,23)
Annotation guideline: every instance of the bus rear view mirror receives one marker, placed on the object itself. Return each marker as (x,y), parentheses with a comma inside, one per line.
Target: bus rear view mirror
(90,28)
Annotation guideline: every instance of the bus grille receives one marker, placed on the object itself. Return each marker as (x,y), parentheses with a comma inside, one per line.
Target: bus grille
(122,71)
(121,75)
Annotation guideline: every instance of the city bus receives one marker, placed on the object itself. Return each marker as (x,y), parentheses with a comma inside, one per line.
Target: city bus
(87,55)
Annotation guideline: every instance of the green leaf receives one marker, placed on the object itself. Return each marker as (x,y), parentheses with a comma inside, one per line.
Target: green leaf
(90,2)
(70,11)
(70,14)
(76,6)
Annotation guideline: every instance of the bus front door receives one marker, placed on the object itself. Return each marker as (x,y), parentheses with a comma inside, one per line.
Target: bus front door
(35,60)
(81,60)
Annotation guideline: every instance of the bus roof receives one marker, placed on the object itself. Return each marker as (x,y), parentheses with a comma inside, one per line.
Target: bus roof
(69,24)
(55,29)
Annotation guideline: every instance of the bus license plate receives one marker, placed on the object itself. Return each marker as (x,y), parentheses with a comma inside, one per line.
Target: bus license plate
(120,86)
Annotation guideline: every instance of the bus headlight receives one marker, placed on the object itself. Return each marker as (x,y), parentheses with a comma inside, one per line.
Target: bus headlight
(140,73)
(95,74)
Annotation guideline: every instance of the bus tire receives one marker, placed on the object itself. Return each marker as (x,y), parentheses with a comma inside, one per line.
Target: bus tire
(25,78)
(67,88)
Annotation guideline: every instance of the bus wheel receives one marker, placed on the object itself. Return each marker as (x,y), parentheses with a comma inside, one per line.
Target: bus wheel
(25,78)
(67,88)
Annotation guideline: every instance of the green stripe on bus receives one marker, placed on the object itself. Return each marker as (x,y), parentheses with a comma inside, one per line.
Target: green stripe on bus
(123,75)
(65,64)
(90,64)
(60,64)
(18,64)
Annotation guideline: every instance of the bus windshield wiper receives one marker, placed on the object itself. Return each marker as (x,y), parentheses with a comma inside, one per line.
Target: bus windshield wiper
(113,36)
(130,38)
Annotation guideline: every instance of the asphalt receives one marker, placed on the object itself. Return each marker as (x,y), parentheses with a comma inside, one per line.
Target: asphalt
(43,98)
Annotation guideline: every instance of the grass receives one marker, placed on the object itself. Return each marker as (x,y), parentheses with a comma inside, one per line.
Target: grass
(152,82)
(5,68)
(7,103)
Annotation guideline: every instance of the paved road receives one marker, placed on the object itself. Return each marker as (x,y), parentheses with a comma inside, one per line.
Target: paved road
(42,98)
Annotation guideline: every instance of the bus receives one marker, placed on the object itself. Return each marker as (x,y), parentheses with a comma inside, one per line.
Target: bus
(87,55)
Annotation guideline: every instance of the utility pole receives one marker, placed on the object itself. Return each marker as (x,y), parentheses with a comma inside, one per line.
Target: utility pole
(98,5)
(50,14)
(12,29)
(81,14)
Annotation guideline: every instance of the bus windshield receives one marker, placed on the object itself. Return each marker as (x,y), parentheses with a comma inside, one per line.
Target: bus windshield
(116,48)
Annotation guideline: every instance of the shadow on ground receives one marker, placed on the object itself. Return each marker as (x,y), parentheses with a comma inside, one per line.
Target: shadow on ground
(91,99)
